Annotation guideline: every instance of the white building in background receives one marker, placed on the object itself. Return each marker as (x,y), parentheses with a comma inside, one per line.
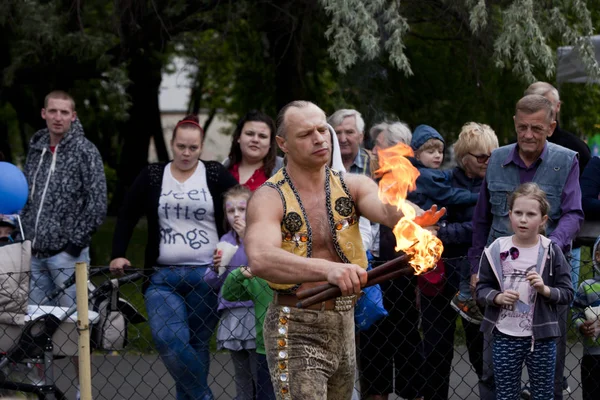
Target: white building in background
(173,101)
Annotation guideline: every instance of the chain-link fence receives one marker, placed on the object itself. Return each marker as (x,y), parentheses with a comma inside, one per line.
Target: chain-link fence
(183,329)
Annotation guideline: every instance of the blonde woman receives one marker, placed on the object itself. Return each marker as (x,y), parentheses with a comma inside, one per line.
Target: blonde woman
(472,151)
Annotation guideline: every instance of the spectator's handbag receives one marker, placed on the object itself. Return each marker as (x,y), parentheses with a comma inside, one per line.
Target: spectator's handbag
(369,308)
(432,282)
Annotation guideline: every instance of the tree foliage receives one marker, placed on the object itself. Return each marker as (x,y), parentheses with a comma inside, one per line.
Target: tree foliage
(521,30)
(440,62)
(52,45)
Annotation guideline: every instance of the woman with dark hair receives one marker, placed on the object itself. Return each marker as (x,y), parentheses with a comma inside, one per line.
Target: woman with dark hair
(183,202)
(253,155)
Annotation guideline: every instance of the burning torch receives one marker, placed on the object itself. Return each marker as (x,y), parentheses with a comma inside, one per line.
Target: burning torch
(421,249)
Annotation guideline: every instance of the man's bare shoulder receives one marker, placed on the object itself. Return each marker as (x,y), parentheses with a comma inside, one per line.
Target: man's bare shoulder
(266,200)
(358,183)
(265,193)
(356,179)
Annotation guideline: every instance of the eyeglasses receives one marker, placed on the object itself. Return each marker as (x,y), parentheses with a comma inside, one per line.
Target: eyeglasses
(482,158)
(513,252)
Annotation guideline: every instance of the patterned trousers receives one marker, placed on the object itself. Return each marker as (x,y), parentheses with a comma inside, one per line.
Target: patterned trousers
(311,354)
(510,353)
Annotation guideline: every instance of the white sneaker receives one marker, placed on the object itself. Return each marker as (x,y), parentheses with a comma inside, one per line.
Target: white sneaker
(566,388)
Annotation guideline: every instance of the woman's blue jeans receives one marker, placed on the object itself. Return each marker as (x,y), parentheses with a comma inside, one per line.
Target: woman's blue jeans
(182,311)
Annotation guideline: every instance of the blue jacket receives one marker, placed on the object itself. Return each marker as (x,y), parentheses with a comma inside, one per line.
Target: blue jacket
(456,232)
(552,267)
(434,186)
(459,230)
(590,189)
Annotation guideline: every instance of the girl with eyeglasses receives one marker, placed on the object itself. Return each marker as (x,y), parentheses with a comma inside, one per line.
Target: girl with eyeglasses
(522,278)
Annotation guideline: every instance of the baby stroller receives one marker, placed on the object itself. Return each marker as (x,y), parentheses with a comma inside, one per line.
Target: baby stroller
(50,331)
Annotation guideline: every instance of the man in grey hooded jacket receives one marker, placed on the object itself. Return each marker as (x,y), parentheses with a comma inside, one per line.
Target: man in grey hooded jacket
(67,198)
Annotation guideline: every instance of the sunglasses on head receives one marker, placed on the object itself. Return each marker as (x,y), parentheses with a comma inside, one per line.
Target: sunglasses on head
(482,158)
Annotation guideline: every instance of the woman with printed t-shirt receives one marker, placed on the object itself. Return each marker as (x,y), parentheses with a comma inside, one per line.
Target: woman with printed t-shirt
(253,155)
(182,201)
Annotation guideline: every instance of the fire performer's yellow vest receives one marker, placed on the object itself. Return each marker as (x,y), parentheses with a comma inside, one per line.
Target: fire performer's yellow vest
(296,232)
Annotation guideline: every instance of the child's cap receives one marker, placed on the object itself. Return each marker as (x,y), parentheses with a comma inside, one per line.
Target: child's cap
(422,134)
(8,220)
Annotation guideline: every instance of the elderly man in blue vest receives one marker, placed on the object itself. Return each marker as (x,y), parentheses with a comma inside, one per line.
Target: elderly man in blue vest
(556,170)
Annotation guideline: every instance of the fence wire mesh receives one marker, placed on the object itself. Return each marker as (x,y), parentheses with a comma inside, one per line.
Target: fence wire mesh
(182,328)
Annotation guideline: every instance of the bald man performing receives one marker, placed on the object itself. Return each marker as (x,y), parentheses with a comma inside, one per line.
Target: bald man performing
(302,231)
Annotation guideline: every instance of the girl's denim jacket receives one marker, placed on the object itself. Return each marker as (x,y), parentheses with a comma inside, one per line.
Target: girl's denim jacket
(552,267)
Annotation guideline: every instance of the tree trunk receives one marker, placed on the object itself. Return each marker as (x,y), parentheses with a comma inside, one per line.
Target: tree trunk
(209,120)
(284,35)
(288,76)
(144,122)
(24,140)
(196,94)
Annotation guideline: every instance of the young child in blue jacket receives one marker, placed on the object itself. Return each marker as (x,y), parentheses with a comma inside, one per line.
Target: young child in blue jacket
(434,186)
(522,278)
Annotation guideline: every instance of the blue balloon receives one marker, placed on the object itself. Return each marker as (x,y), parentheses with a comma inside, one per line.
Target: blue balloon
(13,189)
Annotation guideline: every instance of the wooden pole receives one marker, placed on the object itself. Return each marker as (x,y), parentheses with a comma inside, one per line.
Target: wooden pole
(83,326)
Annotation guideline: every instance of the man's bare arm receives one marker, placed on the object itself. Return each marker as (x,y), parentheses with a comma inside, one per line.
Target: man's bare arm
(269,261)
(365,193)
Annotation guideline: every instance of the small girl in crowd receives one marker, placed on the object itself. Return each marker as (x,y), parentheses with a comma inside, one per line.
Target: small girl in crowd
(242,285)
(521,280)
(236,331)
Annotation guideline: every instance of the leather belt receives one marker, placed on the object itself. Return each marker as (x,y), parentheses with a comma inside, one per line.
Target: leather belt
(344,303)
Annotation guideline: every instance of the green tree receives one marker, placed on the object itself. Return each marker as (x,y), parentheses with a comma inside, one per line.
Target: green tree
(45,46)
(521,31)
(268,55)
(450,67)
(441,62)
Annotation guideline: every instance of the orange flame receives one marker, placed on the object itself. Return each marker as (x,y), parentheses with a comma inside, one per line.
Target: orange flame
(398,178)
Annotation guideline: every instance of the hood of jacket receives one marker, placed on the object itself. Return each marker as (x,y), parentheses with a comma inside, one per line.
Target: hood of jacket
(336,154)
(422,134)
(41,139)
